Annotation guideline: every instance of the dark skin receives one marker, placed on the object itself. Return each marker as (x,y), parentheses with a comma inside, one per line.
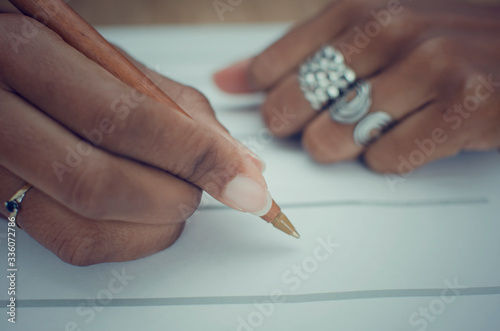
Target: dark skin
(430,57)
(129,194)
(429,68)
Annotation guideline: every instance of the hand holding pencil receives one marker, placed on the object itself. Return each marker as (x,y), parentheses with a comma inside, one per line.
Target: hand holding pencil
(115,172)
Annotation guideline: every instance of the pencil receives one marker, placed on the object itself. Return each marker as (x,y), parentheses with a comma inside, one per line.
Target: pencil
(75,31)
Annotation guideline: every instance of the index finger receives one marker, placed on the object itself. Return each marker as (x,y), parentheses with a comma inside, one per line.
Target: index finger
(266,69)
(95,105)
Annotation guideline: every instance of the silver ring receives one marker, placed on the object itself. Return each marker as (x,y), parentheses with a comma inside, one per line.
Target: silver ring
(351,111)
(324,77)
(370,127)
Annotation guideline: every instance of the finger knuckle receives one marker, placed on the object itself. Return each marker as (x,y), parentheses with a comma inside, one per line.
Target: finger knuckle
(441,56)
(189,96)
(204,159)
(212,165)
(440,53)
(402,27)
(436,48)
(151,125)
(88,189)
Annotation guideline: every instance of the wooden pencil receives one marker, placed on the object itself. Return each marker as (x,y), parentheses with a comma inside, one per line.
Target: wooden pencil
(78,33)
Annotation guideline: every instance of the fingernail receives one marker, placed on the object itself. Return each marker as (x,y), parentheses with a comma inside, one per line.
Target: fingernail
(248,195)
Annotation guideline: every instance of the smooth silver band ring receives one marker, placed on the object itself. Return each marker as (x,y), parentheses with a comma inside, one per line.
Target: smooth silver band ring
(324,77)
(370,127)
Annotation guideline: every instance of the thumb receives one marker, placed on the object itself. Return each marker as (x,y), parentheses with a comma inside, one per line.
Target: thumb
(207,159)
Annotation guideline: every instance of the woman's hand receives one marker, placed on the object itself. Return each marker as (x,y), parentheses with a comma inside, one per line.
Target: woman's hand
(433,66)
(114,173)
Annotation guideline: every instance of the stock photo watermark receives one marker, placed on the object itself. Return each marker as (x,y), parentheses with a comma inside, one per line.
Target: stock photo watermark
(121,107)
(436,307)
(454,116)
(88,310)
(293,278)
(11,270)
(224,6)
(280,120)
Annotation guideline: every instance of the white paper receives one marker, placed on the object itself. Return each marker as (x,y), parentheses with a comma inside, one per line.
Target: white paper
(420,255)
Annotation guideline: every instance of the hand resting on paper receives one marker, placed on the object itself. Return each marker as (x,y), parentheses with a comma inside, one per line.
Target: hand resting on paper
(431,70)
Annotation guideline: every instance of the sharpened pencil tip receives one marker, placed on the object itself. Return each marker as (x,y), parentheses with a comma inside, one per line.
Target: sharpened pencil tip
(282,223)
